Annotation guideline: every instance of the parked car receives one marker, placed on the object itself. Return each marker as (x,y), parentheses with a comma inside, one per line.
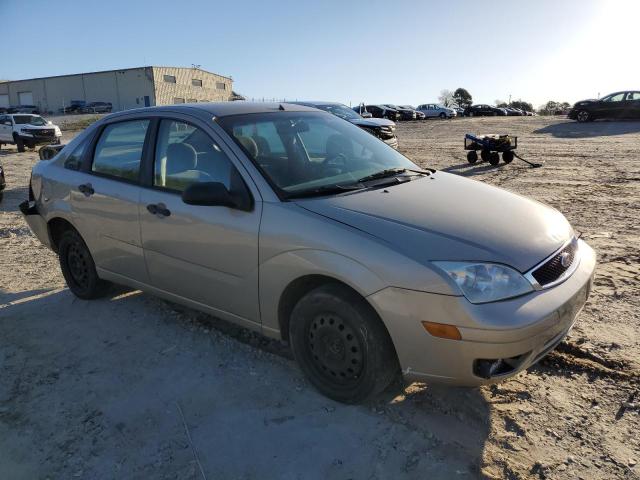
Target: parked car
(292,222)
(23,109)
(3,182)
(379,111)
(96,107)
(434,110)
(73,107)
(459,111)
(380,127)
(512,112)
(27,130)
(482,110)
(615,105)
(405,113)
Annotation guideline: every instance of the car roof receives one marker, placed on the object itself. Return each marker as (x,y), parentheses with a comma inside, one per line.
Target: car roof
(311,103)
(220,109)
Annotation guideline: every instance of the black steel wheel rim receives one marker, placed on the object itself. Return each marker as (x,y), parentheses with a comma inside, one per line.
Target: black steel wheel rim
(334,349)
(78,262)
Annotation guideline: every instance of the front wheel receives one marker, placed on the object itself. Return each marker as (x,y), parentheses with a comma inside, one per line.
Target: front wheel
(341,345)
(443,116)
(494,158)
(472,157)
(19,143)
(78,268)
(583,116)
(507,157)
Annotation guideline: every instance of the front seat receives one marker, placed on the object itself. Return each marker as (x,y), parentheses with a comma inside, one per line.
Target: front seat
(179,168)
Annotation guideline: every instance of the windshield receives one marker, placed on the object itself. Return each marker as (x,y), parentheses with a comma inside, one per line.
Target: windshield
(341,111)
(36,120)
(307,151)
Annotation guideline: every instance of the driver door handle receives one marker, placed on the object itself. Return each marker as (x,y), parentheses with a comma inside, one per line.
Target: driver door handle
(158,209)
(87,189)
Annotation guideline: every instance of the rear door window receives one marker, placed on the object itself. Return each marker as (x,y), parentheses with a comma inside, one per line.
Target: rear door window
(119,150)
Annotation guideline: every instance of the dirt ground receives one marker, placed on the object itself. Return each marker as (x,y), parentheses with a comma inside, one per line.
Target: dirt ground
(134,387)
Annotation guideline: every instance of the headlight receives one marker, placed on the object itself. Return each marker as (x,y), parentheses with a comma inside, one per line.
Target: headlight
(485,282)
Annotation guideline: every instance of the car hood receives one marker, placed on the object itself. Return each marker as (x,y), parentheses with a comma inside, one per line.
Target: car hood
(372,122)
(448,217)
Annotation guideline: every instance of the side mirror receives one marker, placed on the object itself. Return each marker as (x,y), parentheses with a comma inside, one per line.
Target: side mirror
(211,194)
(49,122)
(366,115)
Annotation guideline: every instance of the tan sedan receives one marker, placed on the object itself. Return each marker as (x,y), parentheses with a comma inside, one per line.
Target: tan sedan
(293,222)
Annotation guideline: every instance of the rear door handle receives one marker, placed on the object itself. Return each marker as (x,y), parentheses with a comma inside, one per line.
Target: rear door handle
(158,209)
(87,189)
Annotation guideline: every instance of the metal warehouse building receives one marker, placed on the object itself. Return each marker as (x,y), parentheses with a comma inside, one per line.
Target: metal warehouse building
(125,89)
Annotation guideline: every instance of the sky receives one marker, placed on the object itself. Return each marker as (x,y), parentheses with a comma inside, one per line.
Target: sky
(350,51)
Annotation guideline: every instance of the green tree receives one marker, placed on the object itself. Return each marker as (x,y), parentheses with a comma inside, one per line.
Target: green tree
(522,105)
(462,97)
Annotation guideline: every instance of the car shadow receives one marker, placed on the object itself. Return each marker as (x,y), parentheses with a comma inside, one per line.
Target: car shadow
(599,128)
(138,384)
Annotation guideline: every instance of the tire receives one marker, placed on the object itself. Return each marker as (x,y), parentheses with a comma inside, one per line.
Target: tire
(341,345)
(1,195)
(583,116)
(19,143)
(485,155)
(472,156)
(78,268)
(507,157)
(443,116)
(494,158)
(471,114)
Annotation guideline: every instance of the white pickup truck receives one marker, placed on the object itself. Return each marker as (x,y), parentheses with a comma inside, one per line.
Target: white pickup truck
(27,130)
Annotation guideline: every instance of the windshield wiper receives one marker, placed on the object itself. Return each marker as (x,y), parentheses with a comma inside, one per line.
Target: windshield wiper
(325,190)
(391,172)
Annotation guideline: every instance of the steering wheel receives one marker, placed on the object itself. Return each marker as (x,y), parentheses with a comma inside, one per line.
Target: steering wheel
(338,160)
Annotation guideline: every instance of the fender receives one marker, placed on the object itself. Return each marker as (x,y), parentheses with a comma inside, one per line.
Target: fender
(279,271)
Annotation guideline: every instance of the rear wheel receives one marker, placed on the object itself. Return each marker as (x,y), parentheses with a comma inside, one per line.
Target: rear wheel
(472,157)
(494,158)
(485,155)
(78,268)
(507,156)
(341,345)
(583,116)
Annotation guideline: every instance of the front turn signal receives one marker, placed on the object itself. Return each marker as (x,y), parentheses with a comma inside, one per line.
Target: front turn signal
(442,330)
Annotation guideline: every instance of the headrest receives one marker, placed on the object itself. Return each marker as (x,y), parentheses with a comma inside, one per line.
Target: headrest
(250,145)
(180,157)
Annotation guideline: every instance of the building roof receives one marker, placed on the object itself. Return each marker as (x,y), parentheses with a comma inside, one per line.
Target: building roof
(113,70)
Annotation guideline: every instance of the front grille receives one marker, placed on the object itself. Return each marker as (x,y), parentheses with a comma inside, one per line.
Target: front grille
(41,133)
(553,269)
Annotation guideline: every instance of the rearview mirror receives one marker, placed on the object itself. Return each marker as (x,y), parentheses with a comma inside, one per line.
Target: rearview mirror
(211,194)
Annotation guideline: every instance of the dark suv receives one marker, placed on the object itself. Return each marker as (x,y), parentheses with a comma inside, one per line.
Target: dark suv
(379,127)
(483,110)
(616,105)
(96,107)
(379,111)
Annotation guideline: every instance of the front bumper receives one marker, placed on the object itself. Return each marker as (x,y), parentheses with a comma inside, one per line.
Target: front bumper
(392,142)
(40,139)
(511,334)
